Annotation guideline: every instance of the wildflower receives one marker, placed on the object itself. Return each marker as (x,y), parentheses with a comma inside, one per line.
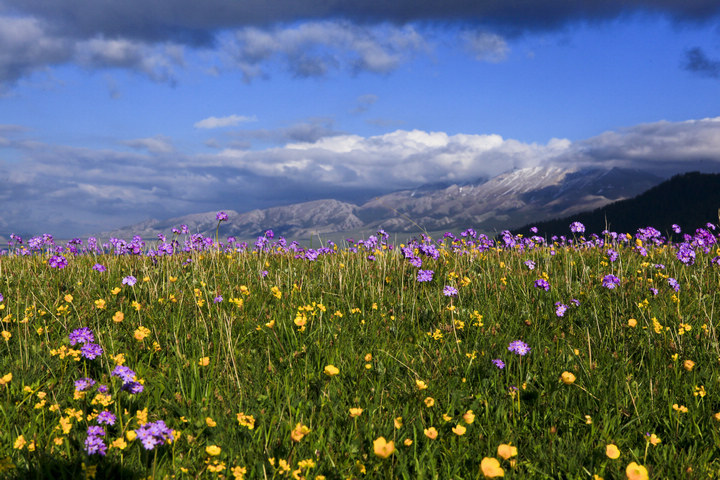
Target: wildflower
(99,267)
(469,417)
(20,443)
(542,283)
(398,422)
(383,448)
(699,391)
(106,418)
(450,291)
(674,284)
(459,430)
(91,350)
(204,361)
(57,261)
(95,445)
(632,322)
(421,385)
(676,228)
(567,378)
(239,472)
(499,363)
(154,434)
(356,412)
(560,309)
(431,433)
(118,317)
(100,304)
(425,275)
(141,333)
(6,335)
(213,450)
(688,365)
(506,451)
(577,227)
(124,373)
(530,264)
(129,280)
(331,370)
(653,439)
(221,216)
(246,420)
(429,401)
(610,281)
(491,468)
(210,422)
(612,451)
(81,335)
(83,384)
(636,472)
(299,432)
(519,347)
(680,408)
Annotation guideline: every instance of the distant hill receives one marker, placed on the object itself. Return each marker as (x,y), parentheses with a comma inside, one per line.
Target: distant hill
(690,200)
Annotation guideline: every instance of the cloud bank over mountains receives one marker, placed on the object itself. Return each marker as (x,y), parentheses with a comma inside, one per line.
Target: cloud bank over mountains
(80,189)
(309,38)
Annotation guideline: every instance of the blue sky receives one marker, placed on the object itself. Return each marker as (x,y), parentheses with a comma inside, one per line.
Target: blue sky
(114,113)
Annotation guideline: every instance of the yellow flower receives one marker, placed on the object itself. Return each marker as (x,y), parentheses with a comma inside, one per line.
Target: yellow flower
(239,472)
(459,430)
(246,420)
(421,385)
(567,378)
(141,333)
(142,416)
(118,317)
(204,361)
(407,442)
(210,422)
(612,451)
(636,472)
(356,412)
(688,365)
(429,401)
(299,432)
(115,290)
(213,450)
(368,357)
(490,468)
(119,443)
(131,435)
(6,379)
(331,370)
(68,298)
(680,408)
(20,443)
(6,335)
(398,421)
(654,439)
(469,417)
(431,433)
(506,451)
(383,448)
(100,304)
(632,322)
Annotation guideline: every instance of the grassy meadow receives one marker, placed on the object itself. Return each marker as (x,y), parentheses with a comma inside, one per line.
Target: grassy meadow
(458,357)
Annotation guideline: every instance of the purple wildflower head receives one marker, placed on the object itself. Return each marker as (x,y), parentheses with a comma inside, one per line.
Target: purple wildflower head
(103,388)
(611,254)
(57,261)
(450,291)
(129,280)
(674,284)
(99,267)
(91,350)
(133,387)
(96,431)
(106,418)
(519,347)
(686,254)
(654,291)
(221,216)
(676,228)
(95,445)
(542,283)
(560,309)
(498,363)
(530,264)
(125,373)
(218,299)
(610,281)
(83,384)
(154,434)
(81,335)
(577,227)
(425,275)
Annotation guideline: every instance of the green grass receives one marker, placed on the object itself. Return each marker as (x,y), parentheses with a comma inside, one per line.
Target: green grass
(383,330)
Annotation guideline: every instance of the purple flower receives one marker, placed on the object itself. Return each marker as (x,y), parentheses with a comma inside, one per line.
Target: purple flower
(99,267)
(125,373)
(676,228)
(610,281)
(519,347)
(96,431)
(133,387)
(83,384)
(103,389)
(686,254)
(612,254)
(1,297)
(106,418)
(542,283)
(560,309)
(91,350)
(58,261)
(654,291)
(95,445)
(264,273)
(81,335)
(221,216)
(674,284)
(425,275)
(415,262)
(129,280)
(575,302)
(577,227)
(218,299)
(450,291)
(530,264)
(154,434)
(499,363)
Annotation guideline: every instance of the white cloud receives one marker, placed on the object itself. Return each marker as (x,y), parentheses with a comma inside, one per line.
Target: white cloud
(157,144)
(219,122)
(486,46)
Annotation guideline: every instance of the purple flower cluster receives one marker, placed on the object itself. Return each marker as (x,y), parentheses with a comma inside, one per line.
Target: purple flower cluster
(57,261)
(94,444)
(86,337)
(519,347)
(154,434)
(450,291)
(498,363)
(577,227)
(542,283)
(83,384)
(128,377)
(129,280)
(425,275)
(530,264)
(674,284)
(610,281)
(560,309)
(686,254)
(221,216)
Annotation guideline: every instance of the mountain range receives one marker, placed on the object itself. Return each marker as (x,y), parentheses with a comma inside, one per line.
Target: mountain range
(507,201)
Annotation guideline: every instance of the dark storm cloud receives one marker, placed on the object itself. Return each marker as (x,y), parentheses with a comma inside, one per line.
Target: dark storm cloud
(696,61)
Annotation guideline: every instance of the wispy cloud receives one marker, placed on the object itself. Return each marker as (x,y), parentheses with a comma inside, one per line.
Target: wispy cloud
(220,122)
(697,61)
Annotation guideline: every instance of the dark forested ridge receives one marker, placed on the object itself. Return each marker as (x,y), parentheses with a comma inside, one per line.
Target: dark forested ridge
(690,200)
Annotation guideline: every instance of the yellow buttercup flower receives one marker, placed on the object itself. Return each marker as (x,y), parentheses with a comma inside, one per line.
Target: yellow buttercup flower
(612,451)
(506,451)
(118,317)
(491,468)
(398,422)
(299,432)
(567,378)
(421,385)
(431,433)
(210,422)
(429,401)
(459,430)
(213,450)
(636,472)
(356,412)
(383,448)
(204,361)
(688,365)
(469,417)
